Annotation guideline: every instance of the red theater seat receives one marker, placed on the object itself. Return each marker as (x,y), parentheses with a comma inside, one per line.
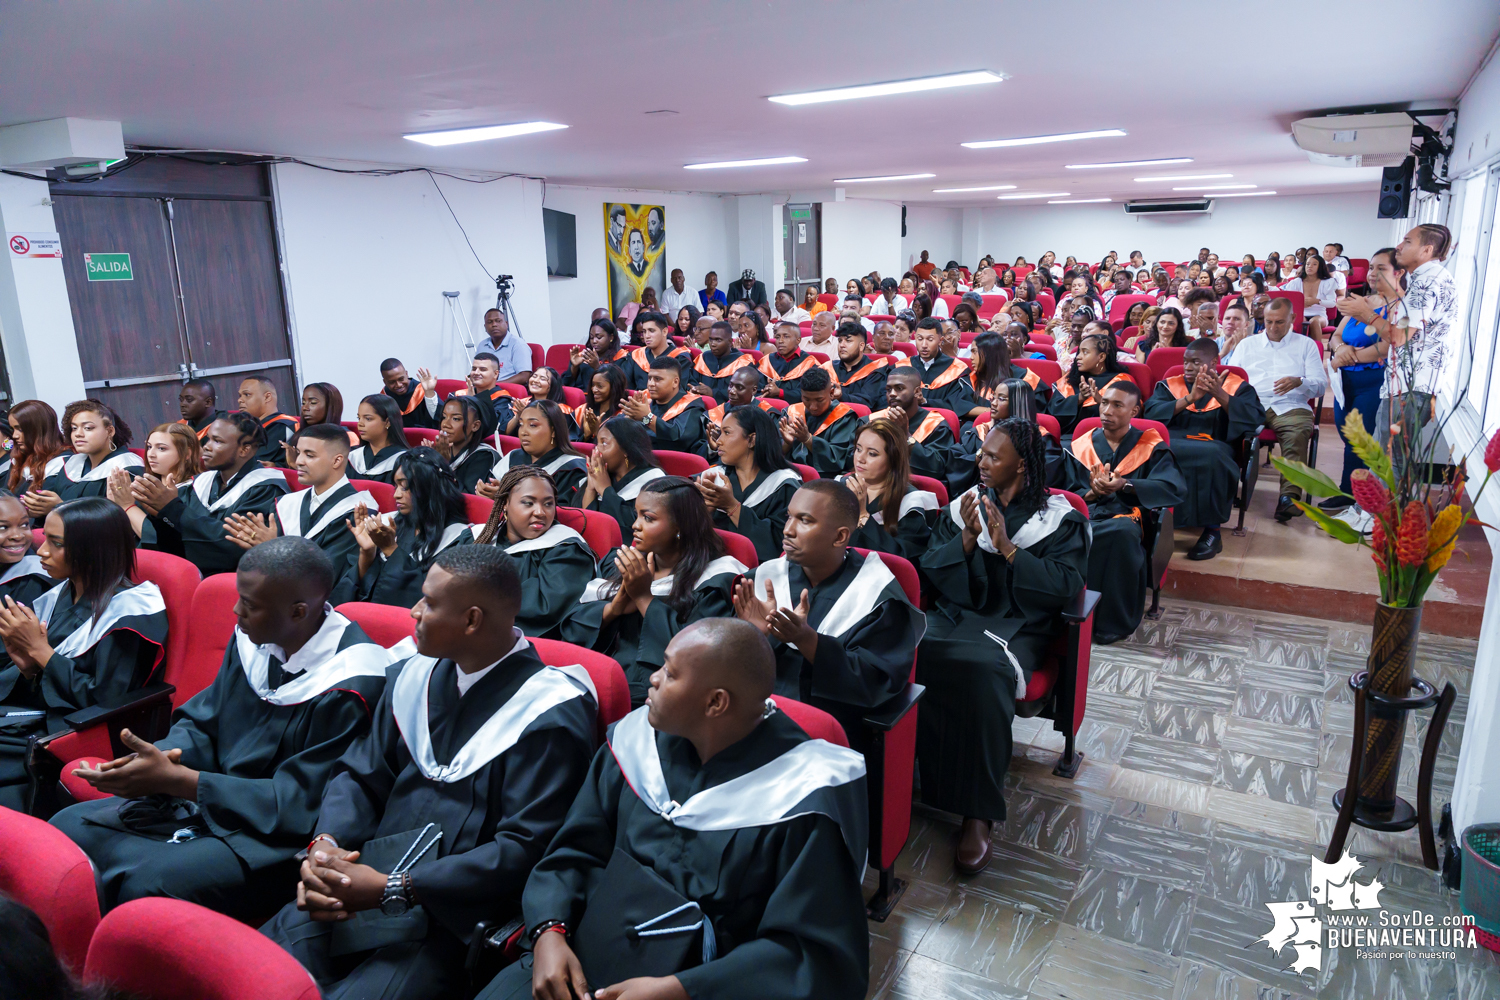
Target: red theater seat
(42,869)
(1163,358)
(447,387)
(814,721)
(609,680)
(1048,371)
(558,356)
(599,530)
(680,463)
(386,624)
(932,486)
(417,437)
(739,547)
(384,493)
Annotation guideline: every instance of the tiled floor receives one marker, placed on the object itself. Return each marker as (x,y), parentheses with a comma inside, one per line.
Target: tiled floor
(1214,740)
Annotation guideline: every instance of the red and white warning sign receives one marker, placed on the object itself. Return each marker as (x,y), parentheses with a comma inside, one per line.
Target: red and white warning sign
(34,244)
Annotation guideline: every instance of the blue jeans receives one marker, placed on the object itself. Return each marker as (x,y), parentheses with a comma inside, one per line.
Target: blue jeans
(1362,393)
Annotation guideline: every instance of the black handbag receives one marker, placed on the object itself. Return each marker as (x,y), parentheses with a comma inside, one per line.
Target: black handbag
(638,925)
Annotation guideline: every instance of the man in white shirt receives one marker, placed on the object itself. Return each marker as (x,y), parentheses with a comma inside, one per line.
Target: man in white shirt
(787,310)
(985,283)
(822,338)
(1286,371)
(888,303)
(676,296)
(1338,265)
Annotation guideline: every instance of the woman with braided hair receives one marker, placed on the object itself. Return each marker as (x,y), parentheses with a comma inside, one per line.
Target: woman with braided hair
(1005,558)
(1075,397)
(553,560)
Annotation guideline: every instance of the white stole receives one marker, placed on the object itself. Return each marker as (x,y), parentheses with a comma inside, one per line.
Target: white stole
(860,598)
(140,600)
(203,484)
(366,659)
(289,511)
(74,465)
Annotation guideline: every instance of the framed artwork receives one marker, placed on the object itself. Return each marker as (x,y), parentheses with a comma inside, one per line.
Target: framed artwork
(635,252)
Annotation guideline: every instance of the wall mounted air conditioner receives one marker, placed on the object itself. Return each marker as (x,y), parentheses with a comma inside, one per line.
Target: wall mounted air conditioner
(1380,140)
(1195,206)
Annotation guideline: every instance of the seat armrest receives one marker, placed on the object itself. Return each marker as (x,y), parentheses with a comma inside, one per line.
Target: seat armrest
(887,716)
(1079,610)
(112,708)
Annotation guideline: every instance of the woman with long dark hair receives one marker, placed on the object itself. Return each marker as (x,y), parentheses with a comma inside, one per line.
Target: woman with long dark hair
(1169,330)
(673,572)
(1075,397)
(749,489)
(544,383)
(603,348)
(966,317)
(881,482)
(92,638)
(460,441)
(555,563)
(395,552)
(384,438)
(1005,559)
(101,444)
(37,449)
(621,464)
(542,429)
(607,392)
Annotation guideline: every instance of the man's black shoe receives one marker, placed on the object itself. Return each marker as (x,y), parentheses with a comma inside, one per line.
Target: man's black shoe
(1208,546)
(1333,505)
(1286,509)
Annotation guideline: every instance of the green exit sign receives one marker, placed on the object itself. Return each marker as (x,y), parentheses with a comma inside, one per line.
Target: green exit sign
(108,266)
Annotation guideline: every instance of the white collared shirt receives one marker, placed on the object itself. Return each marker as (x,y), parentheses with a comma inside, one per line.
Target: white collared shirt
(1293,356)
(672,302)
(319,500)
(466,681)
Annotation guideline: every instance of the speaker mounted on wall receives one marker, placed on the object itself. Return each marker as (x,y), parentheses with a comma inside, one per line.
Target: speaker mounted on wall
(1395,190)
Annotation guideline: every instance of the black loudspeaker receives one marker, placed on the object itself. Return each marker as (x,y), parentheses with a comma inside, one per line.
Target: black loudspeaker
(1395,190)
(903,220)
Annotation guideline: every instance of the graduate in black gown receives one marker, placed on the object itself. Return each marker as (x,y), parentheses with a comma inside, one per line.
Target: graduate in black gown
(409,394)
(542,429)
(198,403)
(882,477)
(554,562)
(1013,398)
(778,882)
(461,442)
(748,491)
(395,552)
(783,368)
(928,435)
(192,516)
(214,811)
(1076,395)
(709,375)
(93,637)
(607,392)
(620,464)
(258,399)
(23,578)
(842,627)
(817,431)
(544,383)
(672,573)
(675,419)
(603,348)
(36,450)
(1017,337)
(945,379)
(383,438)
(1004,560)
(655,330)
(100,442)
(743,386)
(1208,412)
(860,378)
(1119,469)
(476,750)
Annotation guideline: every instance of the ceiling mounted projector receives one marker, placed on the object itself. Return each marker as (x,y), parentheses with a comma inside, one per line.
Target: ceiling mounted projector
(1380,140)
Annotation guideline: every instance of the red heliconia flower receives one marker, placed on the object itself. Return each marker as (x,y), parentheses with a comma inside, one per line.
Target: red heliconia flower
(1492,453)
(1378,541)
(1411,535)
(1369,492)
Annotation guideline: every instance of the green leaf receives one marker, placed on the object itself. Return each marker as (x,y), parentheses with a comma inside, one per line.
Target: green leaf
(1340,530)
(1310,479)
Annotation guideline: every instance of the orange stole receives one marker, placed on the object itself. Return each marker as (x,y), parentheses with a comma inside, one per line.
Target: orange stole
(1083,449)
(834,415)
(952,373)
(279,418)
(644,363)
(929,424)
(733,366)
(201,434)
(1062,387)
(807,363)
(864,370)
(678,407)
(716,415)
(418,394)
(1179,388)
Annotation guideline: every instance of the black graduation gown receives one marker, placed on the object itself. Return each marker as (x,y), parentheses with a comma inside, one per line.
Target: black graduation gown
(712,372)
(963,468)
(413,404)
(397,580)
(831,450)
(25,581)
(786,373)
(945,383)
(494,409)
(474,465)
(569,472)
(1041,392)
(1064,404)
(932,454)
(366,463)
(637,364)
(762,520)
(195,520)
(200,427)
(1204,436)
(554,568)
(122,660)
(784,897)
(325,527)
(583,377)
(1118,565)
(639,642)
(263,763)
(618,499)
(865,383)
(495,823)
(681,425)
(279,428)
(75,479)
(913,526)
(963,729)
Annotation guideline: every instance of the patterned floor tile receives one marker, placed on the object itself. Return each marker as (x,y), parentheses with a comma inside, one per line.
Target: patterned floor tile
(1213,642)
(1203,982)
(1209,694)
(1218,621)
(1301,630)
(1279,677)
(928,854)
(1285,652)
(919,907)
(1200,665)
(1087,965)
(1121,678)
(1152,635)
(1028,879)
(1478,975)
(1162,818)
(1115,709)
(1251,878)
(1346,976)
(1266,843)
(985,936)
(1227,936)
(1171,758)
(1300,746)
(1276,779)
(1182,722)
(1160,791)
(1256,812)
(1278,707)
(1349,640)
(1093,777)
(1171,857)
(1053,826)
(922,978)
(885,963)
(1132,909)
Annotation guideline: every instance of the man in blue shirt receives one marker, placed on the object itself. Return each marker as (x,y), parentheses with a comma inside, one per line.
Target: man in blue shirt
(513,352)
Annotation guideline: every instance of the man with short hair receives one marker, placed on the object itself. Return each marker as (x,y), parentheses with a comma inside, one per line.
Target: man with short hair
(197,402)
(787,310)
(701,328)
(771,847)
(673,418)
(857,377)
(818,432)
(748,290)
(923,268)
(512,354)
(783,368)
(888,303)
(1287,373)
(676,296)
(244,766)
(1234,327)
(711,292)
(857,308)
(1338,265)
(711,372)
(945,379)
(410,395)
(743,385)
(821,339)
(258,398)
(927,433)
(656,333)
(483,383)
(476,750)
(882,338)
(1203,253)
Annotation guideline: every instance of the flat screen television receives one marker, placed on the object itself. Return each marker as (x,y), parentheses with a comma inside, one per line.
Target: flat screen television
(562,243)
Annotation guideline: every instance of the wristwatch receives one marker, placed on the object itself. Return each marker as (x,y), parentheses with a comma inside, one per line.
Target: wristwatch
(396,899)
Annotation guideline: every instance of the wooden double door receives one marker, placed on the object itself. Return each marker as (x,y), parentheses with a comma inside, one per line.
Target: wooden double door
(203,297)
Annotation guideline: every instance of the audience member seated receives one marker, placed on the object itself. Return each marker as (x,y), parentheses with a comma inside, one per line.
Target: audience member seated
(1169,329)
(92,638)
(991,356)
(783,368)
(1234,327)
(927,434)
(396,551)
(747,290)
(741,391)
(945,379)
(322,403)
(511,353)
(607,392)
(619,466)
(857,377)
(709,376)
(215,811)
(674,419)
(1076,395)
(257,397)
(786,310)
(460,440)
(543,432)
(198,402)
(655,335)
(37,449)
(711,292)
(483,385)
(100,441)
(1013,399)
(887,302)
(1358,360)
(1119,469)
(410,397)
(672,572)
(883,340)
(1208,412)
(817,431)
(383,436)
(1287,373)
(24,578)
(1320,292)
(1004,560)
(748,491)
(174,455)
(438,768)
(193,517)
(881,481)
(553,561)
(1018,345)
(823,338)
(677,297)
(545,383)
(603,348)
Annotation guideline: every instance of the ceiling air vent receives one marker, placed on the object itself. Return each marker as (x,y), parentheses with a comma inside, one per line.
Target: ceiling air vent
(1196,206)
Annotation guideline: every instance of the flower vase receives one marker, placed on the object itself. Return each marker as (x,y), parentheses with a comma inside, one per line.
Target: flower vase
(1393,653)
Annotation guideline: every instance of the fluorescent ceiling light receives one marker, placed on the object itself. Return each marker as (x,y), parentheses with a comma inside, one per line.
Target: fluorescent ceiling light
(1245,194)
(1183,177)
(1078,201)
(884,89)
(989,187)
(1017,197)
(454,136)
(1127,163)
(1033,140)
(1214,187)
(890,177)
(766,161)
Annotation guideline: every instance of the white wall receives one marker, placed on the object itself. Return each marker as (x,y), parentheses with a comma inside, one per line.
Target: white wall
(368,258)
(36,318)
(939,231)
(861,236)
(1235,227)
(698,241)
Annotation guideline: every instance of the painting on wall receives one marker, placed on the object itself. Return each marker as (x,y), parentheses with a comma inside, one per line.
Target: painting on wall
(635,252)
